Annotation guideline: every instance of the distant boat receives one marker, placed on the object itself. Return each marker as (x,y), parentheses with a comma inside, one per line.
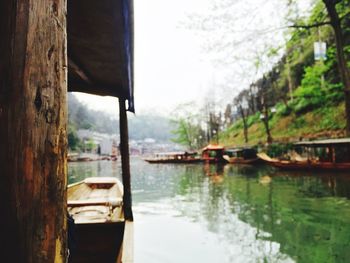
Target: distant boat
(88,157)
(331,154)
(213,153)
(175,157)
(72,157)
(241,156)
(96,204)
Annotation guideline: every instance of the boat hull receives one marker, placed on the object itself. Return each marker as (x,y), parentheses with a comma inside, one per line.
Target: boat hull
(312,166)
(305,165)
(234,160)
(215,160)
(173,160)
(96,207)
(97,242)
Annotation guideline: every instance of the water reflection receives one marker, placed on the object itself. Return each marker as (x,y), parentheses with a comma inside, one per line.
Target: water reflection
(209,213)
(78,171)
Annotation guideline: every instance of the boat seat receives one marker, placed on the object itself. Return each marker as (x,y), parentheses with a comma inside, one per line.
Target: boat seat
(113,202)
(94,211)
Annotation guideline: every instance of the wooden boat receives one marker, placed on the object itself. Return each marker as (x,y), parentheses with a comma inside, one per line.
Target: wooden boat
(175,157)
(331,154)
(241,156)
(72,157)
(213,153)
(96,207)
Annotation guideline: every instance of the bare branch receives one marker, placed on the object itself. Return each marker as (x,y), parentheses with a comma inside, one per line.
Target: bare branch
(312,25)
(317,24)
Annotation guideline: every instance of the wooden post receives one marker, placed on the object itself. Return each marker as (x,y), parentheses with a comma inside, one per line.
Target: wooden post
(333,154)
(33,116)
(124,152)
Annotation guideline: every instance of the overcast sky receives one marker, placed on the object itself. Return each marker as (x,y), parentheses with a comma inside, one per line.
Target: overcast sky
(172,61)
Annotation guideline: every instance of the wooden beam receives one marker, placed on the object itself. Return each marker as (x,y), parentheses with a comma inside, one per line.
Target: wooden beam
(33,139)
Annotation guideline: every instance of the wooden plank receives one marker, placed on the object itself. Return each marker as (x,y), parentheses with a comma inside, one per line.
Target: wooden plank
(111,202)
(126,253)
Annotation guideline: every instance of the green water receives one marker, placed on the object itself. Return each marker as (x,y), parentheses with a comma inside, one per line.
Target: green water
(199,213)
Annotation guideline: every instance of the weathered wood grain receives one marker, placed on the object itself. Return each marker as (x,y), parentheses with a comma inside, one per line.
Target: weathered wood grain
(33,87)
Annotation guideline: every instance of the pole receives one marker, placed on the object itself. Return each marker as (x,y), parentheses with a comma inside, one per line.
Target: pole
(124,152)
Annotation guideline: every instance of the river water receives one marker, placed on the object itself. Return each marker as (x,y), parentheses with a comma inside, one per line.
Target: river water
(209,213)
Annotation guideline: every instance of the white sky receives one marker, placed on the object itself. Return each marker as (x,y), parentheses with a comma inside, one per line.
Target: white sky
(171,66)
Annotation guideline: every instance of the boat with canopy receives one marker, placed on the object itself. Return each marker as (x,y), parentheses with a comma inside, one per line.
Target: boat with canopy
(328,154)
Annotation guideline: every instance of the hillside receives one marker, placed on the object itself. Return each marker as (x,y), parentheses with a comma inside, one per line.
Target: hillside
(140,126)
(319,123)
(304,95)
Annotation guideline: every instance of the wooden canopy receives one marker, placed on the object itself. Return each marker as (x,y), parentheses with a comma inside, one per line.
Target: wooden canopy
(326,142)
(213,147)
(100,48)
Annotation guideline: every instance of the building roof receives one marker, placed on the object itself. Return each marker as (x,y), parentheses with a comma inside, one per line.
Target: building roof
(323,142)
(100,48)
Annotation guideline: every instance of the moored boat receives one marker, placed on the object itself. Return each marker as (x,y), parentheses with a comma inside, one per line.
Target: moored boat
(96,205)
(241,156)
(331,154)
(213,153)
(175,157)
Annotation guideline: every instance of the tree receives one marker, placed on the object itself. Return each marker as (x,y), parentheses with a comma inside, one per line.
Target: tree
(89,145)
(242,104)
(188,130)
(336,24)
(184,133)
(228,115)
(263,106)
(344,71)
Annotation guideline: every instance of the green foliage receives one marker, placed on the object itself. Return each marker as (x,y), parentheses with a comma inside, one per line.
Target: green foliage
(182,133)
(311,82)
(284,110)
(298,123)
(253,119)
(238,124)
(318,13)
(81,117)
(188,132)
(74,142)
(315,91)
(89,145)
(329,119)
(318,93)
(335,93)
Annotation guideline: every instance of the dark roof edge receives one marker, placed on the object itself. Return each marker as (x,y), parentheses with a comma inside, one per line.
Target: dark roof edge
(323,142)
